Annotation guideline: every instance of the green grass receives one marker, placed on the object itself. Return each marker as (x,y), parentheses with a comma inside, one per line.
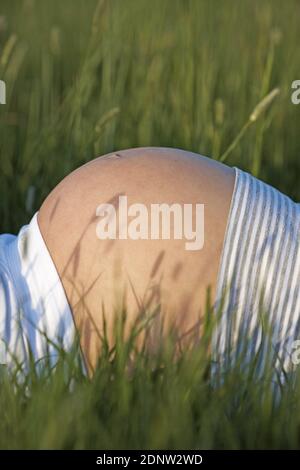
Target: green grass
(162,398)
(84,78)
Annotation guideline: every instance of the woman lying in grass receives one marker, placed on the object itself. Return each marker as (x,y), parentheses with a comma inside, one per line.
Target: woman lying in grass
(102,242)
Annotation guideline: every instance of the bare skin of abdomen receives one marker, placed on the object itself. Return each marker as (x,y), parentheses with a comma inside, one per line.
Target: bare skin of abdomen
(143,275)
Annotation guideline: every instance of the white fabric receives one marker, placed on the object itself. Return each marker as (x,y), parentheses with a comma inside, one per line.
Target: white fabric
(258,290)
(32,300)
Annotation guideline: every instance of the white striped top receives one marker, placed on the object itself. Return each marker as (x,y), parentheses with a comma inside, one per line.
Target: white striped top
(258,288)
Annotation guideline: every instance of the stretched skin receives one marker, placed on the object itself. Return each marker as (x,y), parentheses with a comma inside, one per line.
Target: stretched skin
(100,276)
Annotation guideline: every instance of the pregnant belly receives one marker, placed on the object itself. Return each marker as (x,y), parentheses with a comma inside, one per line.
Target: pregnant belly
(141,229)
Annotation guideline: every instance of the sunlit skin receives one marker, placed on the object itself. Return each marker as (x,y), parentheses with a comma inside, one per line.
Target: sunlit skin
(153,275)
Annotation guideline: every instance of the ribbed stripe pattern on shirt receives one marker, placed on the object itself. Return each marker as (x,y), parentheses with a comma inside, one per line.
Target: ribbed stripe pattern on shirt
(258,289)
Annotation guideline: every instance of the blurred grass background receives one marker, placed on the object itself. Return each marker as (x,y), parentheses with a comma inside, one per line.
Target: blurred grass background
(84,78)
